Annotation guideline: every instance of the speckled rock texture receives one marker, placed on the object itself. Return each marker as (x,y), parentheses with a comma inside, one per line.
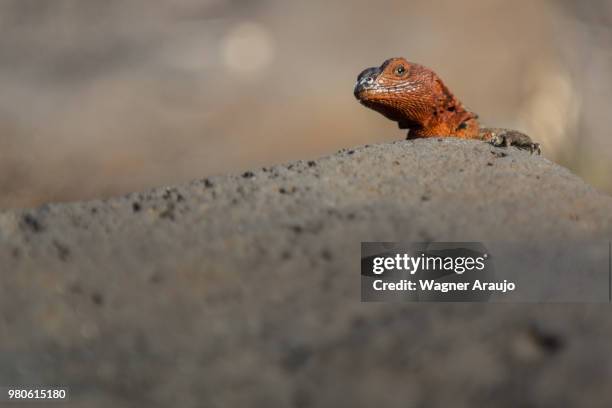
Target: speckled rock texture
(243,290)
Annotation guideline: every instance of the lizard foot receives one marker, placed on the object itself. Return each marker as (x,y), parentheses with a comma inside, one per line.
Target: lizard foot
(507,138)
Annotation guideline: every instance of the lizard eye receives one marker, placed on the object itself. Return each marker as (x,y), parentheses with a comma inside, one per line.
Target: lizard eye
(399,71)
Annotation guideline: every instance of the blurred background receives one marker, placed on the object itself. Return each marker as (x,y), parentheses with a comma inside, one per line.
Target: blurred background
(100,98)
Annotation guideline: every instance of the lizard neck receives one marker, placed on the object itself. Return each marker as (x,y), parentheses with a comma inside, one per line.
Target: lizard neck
(447,116)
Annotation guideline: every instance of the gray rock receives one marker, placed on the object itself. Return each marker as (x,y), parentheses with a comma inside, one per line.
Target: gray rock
(243,290)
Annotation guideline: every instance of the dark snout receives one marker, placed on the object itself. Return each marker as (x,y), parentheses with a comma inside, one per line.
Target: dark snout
(366,80)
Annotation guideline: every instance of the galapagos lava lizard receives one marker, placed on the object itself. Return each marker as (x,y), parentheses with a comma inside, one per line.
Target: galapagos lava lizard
(416,98)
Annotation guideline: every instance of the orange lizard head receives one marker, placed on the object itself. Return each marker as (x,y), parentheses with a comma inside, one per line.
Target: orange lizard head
(416,98)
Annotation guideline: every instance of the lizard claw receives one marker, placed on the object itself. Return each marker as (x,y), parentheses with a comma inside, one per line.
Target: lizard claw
(517,139)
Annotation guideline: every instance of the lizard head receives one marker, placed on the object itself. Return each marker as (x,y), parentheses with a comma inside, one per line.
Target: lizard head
(415,97)
(398,89)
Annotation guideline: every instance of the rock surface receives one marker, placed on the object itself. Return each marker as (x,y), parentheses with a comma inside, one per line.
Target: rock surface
(243,290)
